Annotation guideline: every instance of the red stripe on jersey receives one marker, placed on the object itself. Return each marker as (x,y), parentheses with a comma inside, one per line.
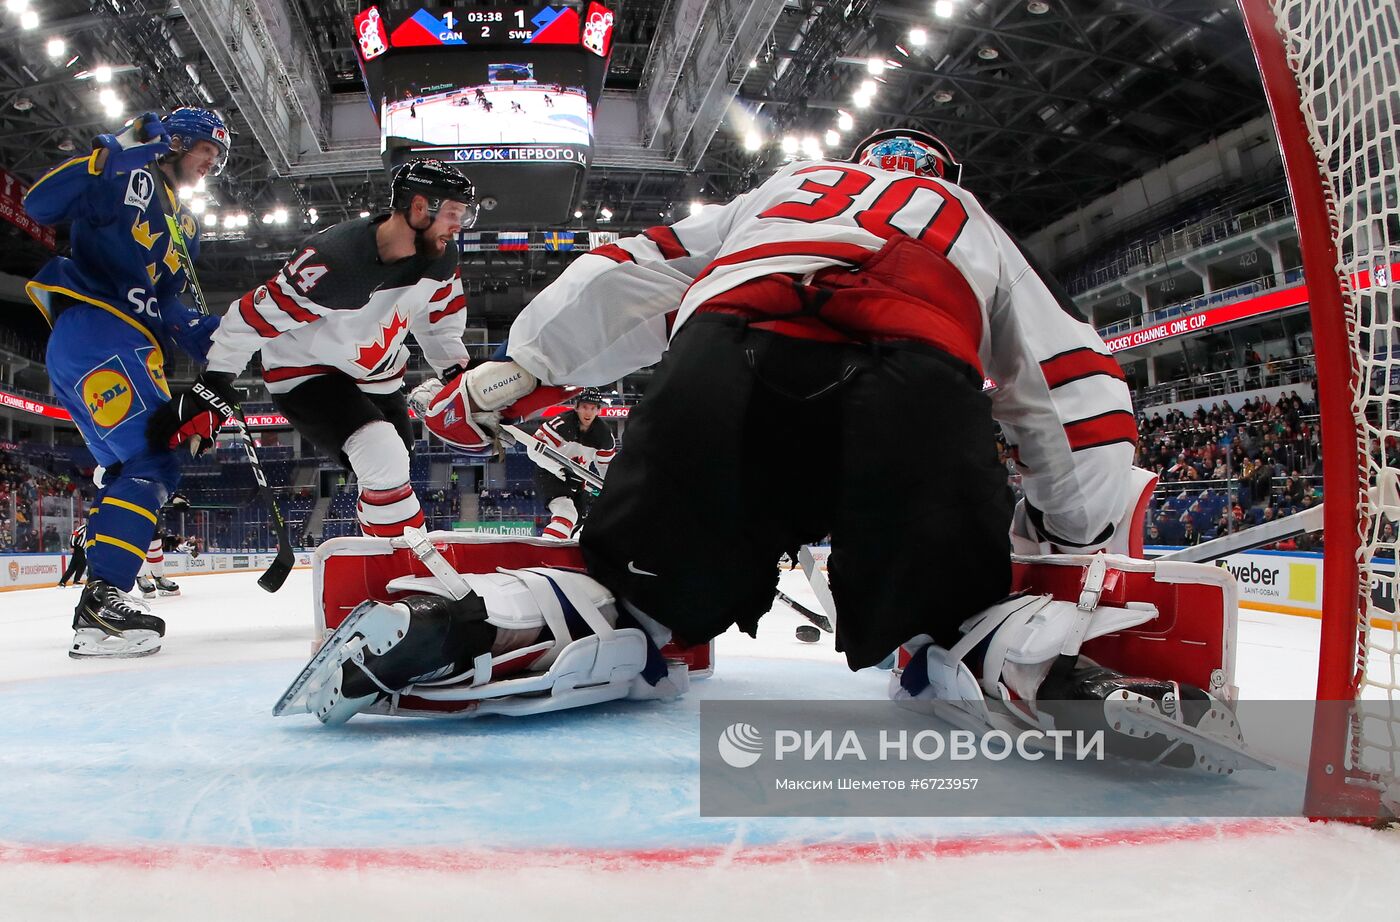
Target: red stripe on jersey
(1075,364)
(550,436)
(250,316)
(850,253)
(667,242)
(386,497)
(295,371)
(441,293)
(393,529)
(288,306)
(1105,429)
(614,252)
(452,307)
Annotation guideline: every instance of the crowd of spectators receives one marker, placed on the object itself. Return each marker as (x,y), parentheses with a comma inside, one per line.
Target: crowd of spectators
(1225,469)
(511,502)
(30,490)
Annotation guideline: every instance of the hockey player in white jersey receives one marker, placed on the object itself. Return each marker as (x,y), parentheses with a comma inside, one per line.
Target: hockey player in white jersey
(331,326)
(584,438)
(831,330)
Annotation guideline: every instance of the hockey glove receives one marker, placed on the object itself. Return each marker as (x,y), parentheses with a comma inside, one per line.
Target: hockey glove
(467,412)
(194,414)
(143,140)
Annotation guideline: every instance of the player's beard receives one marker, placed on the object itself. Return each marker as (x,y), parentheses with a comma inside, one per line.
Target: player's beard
(426,246)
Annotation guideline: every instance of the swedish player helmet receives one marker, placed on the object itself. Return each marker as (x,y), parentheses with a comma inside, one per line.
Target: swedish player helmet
(908,150)
(435,181)
(188,126)
(590,395)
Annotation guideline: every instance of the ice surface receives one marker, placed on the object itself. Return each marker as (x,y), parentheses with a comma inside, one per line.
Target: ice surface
(163,788)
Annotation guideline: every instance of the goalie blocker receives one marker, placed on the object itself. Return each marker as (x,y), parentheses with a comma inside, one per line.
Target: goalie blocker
(451,625)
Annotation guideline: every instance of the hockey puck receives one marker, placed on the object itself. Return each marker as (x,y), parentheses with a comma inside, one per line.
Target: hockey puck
(808,633)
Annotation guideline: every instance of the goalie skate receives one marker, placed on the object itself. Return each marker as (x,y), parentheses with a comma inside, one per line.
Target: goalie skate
(316,690)
(1216,738)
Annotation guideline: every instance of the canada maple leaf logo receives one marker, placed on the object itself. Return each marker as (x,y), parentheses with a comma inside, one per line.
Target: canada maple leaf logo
(370,356)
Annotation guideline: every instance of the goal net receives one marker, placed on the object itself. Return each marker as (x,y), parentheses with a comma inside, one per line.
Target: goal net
(1331,71)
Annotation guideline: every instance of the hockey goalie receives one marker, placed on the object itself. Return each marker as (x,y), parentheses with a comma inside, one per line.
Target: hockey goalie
(823,343)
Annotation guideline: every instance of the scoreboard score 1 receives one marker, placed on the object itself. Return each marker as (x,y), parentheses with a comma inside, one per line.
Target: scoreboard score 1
(482,27)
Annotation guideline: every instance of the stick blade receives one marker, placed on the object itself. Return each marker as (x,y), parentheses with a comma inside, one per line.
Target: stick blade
(274,576)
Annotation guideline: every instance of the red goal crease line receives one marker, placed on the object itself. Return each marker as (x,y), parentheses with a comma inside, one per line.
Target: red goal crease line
(514,859)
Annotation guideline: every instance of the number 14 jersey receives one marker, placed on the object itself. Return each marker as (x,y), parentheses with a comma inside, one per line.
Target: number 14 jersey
(336,307)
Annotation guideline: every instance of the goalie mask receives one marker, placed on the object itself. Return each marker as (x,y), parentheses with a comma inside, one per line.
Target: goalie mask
(907,150)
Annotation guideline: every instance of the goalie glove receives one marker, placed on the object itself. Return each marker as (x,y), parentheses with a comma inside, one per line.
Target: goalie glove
(467,412)
(143,140)
(194,415)
(1036,533)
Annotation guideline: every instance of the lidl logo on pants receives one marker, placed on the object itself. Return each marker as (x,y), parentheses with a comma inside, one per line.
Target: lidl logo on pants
(109,395)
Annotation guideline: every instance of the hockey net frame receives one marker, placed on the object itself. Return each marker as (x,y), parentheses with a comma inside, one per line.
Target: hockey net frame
(1331,71)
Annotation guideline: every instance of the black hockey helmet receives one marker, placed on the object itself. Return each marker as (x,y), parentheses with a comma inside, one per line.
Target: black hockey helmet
(435,181)
(590,395)
(908,150)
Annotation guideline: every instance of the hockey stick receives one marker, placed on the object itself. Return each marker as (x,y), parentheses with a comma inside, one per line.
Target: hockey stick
(556,463)
(274,576)
(821,621)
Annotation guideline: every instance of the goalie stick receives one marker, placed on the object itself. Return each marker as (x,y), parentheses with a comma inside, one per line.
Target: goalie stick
(275,575)
(553,461)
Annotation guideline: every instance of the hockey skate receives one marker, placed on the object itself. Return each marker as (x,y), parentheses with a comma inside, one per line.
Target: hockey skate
(330,691)
(166,586)
(147,587)
(110,623)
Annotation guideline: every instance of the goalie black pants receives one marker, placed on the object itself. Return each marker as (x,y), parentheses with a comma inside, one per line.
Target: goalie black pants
(749,444)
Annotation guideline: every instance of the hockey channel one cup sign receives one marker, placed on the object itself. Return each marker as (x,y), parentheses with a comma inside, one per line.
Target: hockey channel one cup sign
(882,758)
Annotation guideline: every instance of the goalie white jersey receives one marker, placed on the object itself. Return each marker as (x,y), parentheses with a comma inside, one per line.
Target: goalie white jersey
(335,307)
(1061,398)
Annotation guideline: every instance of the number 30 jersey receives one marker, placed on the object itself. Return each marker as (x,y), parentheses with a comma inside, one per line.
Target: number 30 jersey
(335,307)
(849,253)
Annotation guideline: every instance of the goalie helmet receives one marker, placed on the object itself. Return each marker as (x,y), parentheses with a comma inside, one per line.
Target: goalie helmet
(435,181)
(189,126)
(910,151)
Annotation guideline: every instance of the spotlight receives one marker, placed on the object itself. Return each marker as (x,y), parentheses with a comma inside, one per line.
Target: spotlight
(844,122)
(875,65)
(832,139)
(753,141)
(56,48)
(943,9)
(102,74)
(918,37)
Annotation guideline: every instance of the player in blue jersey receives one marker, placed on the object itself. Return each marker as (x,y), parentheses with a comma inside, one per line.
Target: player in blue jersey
(115,310)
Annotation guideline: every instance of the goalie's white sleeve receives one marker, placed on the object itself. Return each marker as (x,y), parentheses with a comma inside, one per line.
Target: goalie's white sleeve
(1061,396)
(335,307)
(1063,405)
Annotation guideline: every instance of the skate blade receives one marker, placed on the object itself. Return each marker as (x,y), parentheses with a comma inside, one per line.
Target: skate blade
(343,645)
(90,643)
(1216,740)
(163,594)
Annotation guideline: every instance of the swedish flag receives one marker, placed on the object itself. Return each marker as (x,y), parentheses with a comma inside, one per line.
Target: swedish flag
(559,241)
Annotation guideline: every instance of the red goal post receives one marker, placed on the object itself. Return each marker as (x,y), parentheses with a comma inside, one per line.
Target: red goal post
(1331,72)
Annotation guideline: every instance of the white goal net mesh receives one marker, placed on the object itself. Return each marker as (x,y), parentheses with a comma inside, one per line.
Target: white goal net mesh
(1345,56)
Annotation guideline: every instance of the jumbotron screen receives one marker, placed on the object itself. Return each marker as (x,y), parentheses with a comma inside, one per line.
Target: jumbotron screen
(506,93)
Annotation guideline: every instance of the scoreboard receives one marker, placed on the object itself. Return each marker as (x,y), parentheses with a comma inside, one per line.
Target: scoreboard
(505,92)
(485,27)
